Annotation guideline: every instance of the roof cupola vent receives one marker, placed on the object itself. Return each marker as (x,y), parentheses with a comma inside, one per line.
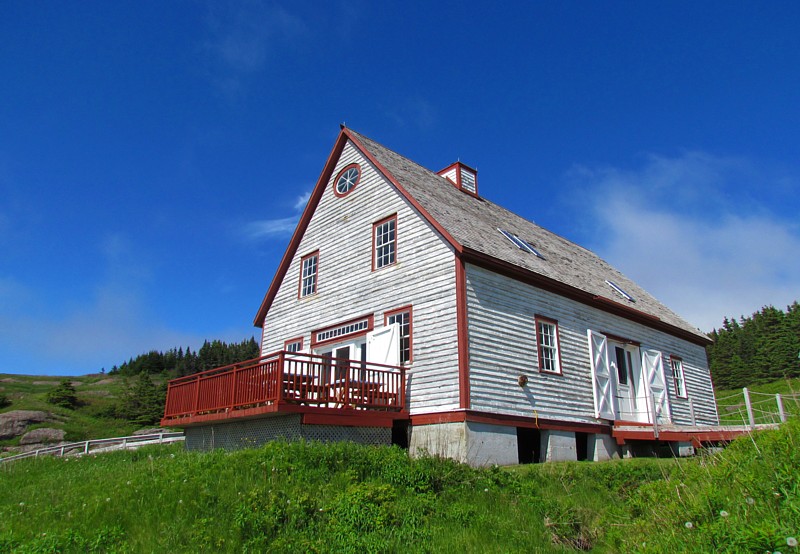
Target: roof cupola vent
(462,176)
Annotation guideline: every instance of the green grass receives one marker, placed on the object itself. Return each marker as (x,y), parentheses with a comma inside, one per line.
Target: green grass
(731,404)
(96,394)
(299,497)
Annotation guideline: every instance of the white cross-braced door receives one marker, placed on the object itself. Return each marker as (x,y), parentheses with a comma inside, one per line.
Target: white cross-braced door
(602,380)
(658,394)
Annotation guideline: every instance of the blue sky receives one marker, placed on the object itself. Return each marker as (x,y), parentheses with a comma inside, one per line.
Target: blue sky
(155,156)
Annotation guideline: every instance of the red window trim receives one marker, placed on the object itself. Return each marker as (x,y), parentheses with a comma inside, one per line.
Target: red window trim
(374,242)
(388,313)
(370,326)
(683,371)
(316,281)
(542,319)
(622,340)
(290,341)
(336,180)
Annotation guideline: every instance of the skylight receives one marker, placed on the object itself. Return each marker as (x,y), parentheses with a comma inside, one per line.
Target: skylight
(521,244)
(619,291)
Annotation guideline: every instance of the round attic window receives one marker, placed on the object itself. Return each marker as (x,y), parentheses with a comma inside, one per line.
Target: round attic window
(347,179)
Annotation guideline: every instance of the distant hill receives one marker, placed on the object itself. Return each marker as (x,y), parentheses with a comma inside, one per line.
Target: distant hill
(94,417)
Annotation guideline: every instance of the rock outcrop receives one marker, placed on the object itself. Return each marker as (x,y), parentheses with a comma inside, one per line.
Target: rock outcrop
(43,436)
(15,422)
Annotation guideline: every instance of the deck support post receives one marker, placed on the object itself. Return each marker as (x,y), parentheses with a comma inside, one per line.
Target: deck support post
(749,407)
(781,413)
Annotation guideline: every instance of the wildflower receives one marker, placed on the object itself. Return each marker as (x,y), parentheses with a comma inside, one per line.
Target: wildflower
(791,541)
(723,513)
(180,501)
(485,490)
(22,504)
(750,500)
(108,500)
(172,455)
(129,482)
(688,525)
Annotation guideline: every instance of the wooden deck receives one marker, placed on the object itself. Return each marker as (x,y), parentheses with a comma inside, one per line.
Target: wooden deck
(286,382)
(698,434)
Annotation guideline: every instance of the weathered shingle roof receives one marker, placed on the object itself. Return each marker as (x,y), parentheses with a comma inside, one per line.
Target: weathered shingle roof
(473,223)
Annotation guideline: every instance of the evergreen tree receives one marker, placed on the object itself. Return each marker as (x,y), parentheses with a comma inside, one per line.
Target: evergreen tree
(143,401)
(756,349)
(63,395)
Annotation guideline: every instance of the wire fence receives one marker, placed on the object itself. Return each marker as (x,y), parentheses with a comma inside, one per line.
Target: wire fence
(750,408)
(99,445)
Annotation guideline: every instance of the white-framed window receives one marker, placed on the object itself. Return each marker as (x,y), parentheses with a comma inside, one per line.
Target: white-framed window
(308,274)
(547,345)
(384,242)
(402,316)
(677,376)
(293,345)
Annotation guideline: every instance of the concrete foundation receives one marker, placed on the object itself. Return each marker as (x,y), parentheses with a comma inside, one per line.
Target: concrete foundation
(559,446)
(255,432)
(682,449)
(477,444)
(602,447)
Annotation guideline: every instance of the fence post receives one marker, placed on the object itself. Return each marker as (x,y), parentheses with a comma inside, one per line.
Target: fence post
(691,412)
(749,407)
(779,400)
(86,447)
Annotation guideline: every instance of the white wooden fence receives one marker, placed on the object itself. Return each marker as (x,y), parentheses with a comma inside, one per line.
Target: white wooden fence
(99,445)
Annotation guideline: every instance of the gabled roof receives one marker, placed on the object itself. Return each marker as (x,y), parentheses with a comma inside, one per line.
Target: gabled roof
(470,224)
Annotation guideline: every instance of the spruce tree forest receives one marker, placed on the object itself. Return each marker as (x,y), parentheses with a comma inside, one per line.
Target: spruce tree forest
(757,349)
(142,401)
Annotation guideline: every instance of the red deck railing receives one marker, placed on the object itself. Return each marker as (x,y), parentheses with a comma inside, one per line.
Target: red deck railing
(286,377)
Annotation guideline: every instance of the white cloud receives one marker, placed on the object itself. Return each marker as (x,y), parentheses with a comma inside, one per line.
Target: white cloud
(301,201)
(276,228)
(270,228)
(242,37)
(687,230)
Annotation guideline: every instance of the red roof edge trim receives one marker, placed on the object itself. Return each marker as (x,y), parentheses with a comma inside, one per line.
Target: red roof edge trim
(300,230)
(391,178)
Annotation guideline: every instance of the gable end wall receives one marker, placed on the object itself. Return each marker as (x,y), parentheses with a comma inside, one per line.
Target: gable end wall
(423,276)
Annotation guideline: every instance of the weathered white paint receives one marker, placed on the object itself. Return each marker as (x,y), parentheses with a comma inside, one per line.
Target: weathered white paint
(451,174)
(423,276)
(502,334)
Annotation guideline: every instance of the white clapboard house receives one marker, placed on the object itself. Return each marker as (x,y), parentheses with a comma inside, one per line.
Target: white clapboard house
(408,308)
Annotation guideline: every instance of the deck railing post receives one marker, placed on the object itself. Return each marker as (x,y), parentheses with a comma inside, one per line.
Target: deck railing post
(749,407)
(233,387)
(781,413)
(279,375)
(196,396)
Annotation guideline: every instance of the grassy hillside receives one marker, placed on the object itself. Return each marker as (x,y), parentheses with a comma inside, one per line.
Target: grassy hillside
(96,394)
(296,497)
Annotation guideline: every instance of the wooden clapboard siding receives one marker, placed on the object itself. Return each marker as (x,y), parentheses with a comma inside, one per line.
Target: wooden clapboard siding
(502,346)
(423,276)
